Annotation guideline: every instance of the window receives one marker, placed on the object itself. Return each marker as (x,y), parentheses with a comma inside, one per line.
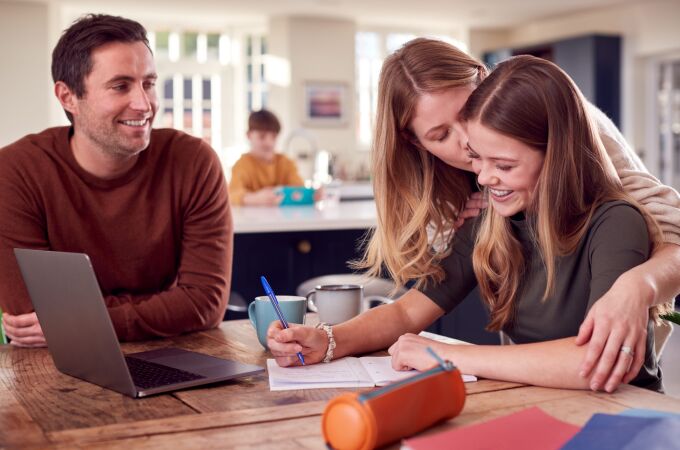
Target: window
(190,77)
(371,49)
(208,84)
(665,133)
(256,51)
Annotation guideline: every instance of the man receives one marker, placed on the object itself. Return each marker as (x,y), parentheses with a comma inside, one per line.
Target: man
(150,207)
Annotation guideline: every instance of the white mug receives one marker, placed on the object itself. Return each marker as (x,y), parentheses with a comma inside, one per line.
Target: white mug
(336,303)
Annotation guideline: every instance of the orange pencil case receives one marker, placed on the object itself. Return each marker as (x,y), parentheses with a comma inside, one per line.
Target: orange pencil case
(358,421)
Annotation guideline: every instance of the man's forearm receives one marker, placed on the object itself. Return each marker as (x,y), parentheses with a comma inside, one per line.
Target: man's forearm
(172,312)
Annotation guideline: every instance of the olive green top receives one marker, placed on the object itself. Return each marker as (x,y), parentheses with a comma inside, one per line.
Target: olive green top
(616,241)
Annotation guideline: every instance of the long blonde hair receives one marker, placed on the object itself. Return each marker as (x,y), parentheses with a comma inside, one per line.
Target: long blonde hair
(414,189)
(535,102)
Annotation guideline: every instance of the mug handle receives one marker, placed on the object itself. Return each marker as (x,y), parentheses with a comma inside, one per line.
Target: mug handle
(251,313)
(377,299)
(310,302)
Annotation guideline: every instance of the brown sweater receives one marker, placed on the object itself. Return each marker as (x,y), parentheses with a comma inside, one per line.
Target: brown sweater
(159,237)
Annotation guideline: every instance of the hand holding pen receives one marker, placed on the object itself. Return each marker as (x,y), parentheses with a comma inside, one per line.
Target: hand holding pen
(275,303)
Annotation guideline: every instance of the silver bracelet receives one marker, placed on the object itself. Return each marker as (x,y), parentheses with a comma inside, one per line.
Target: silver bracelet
(331,341)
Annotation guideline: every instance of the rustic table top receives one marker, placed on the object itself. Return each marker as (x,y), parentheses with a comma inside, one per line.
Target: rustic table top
(40,406)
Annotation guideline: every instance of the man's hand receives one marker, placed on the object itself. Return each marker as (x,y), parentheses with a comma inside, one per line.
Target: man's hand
(286,343)
(263,197)
(24,330)
(619,318)
(473,207)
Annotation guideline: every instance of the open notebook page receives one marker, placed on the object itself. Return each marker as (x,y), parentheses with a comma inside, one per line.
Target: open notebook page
(367,371)
(380,370)
(344,372)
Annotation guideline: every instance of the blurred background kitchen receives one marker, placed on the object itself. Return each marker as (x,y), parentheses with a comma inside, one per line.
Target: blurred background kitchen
(315,64)
(219,60)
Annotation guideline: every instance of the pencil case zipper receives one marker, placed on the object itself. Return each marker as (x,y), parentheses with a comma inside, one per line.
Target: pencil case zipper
(446,367)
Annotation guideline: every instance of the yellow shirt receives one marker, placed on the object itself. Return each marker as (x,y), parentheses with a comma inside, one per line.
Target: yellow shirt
(251,174)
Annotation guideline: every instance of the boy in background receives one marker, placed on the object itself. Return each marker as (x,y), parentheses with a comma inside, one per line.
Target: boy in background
(257,173)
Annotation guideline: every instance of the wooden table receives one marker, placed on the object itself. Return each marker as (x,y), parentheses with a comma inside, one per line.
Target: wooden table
(41,407)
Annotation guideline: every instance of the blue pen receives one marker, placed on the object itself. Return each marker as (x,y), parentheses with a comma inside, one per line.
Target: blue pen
(277,309)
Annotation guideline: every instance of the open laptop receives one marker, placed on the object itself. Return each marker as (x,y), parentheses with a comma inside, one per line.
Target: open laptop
(83,343)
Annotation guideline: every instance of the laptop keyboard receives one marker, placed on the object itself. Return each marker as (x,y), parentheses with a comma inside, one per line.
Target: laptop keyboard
(147,374)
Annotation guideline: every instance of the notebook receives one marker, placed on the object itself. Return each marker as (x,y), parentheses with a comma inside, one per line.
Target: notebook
(350,372)
(627,432)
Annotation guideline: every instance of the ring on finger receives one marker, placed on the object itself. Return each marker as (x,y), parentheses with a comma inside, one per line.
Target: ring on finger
(628,350)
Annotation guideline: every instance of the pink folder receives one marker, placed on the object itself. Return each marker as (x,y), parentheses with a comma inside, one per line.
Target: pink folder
(530,429)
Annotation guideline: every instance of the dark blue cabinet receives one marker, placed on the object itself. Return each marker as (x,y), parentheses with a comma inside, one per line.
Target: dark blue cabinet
(289,258)
(593,62)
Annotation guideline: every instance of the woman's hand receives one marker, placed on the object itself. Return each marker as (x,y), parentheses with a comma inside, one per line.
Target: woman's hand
(473,207)
(618,319)
(410,352)
(286,343)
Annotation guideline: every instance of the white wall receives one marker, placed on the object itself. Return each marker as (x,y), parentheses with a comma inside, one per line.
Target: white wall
(24,78)
(316,49)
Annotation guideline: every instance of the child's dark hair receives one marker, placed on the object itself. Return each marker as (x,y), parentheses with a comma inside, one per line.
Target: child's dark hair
(263,120)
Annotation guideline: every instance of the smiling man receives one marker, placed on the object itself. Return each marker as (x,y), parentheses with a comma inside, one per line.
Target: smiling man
(150,207)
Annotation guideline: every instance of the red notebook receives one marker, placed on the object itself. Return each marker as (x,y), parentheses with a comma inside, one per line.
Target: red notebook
(530,429)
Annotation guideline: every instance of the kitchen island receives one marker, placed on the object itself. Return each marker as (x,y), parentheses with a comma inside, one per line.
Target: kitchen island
(291,244)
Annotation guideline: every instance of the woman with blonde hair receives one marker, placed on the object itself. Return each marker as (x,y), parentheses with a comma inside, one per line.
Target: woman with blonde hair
(559,230)
(419,194)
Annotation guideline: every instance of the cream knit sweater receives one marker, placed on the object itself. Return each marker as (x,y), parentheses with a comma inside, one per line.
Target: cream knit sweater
(661,201)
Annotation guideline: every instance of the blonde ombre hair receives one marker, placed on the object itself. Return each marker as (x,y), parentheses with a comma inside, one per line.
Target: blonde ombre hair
(414,189)
(535,102)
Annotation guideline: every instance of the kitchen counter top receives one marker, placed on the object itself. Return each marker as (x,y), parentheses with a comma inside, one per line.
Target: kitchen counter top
(343,216)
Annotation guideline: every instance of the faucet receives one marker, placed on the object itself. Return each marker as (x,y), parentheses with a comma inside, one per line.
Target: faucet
(319,158)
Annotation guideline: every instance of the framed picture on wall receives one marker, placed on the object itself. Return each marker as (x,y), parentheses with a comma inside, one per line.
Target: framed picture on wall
(325,103)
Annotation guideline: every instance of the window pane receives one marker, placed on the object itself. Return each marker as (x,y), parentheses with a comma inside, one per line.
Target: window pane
(162,44)
(213,46)
(190,44)
(367,45)
(263,45)
(396,40)
(206,89)
(207,125)
(187,88)
(167,89)
(162,38)
(188,95)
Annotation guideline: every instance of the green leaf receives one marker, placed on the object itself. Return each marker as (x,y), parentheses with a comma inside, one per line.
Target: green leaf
(673,316)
